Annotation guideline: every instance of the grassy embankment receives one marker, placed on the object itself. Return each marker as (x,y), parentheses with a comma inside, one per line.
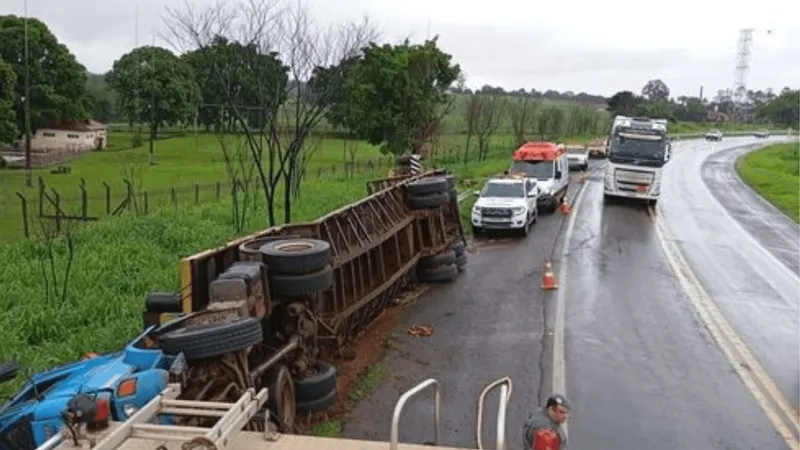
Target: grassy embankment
(119,259)
(774,172)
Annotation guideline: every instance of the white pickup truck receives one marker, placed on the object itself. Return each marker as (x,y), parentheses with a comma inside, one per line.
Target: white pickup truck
(508,203)
(578,157)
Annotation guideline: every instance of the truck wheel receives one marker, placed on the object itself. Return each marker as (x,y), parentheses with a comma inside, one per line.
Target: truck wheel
(296,256)
(209,340)
(459,248)
(281,403)
(316,386)
(442,259)
(461,262)
(429,201)
(426,186)
(319,404)
(299,285)
(437,274)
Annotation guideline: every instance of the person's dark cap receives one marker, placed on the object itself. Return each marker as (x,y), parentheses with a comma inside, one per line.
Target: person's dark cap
(557,400)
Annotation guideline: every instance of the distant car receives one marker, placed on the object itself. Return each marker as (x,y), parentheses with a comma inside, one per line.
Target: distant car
(578,157)
(714,135)
(117,384)
(762,133)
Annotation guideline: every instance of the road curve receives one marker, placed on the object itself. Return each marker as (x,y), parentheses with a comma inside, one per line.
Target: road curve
(774,230)
(641,369)
(740,249)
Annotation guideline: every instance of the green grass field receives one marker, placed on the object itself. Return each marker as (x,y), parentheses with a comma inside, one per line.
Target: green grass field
(120,259)
(774,172)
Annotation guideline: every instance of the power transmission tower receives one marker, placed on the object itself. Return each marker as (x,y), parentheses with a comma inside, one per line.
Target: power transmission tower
(743,48)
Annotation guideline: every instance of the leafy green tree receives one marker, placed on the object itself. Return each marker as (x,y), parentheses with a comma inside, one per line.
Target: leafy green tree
(623,103)
(8,120)
(784,109)
(57,82)
(393,91)
(155,87)
(655,90)
(239,76)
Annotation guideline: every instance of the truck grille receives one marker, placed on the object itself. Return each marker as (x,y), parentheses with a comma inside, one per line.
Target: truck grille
(496,212)
(634,181)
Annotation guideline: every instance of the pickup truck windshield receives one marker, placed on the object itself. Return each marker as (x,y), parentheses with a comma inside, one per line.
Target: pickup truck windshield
(503,190)
(541,170)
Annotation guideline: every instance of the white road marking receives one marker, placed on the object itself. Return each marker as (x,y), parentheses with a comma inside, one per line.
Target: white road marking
(741,359)
(559,365)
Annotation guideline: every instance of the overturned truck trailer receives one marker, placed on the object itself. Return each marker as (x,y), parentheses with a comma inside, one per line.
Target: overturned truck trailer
(274,308)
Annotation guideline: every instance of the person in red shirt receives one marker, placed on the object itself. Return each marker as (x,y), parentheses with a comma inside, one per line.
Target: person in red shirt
(543,430)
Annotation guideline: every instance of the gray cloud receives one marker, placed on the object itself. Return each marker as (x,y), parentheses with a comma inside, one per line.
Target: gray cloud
(576,45)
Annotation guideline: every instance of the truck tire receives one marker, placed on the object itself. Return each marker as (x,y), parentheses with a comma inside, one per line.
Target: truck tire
(429,201)
(451,181)
(426,186)
(318,405)
(283,285)
(281,402)
(316,386)
(442,259)
(438,274)
(163,302)
(296,256)
(210,340)
(461,262)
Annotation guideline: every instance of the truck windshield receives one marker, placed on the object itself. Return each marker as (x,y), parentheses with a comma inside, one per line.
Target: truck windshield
(503,190)
(637,149)
(541,170)
(576,150)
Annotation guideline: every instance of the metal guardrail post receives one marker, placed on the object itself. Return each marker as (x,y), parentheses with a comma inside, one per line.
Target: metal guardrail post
(401,402)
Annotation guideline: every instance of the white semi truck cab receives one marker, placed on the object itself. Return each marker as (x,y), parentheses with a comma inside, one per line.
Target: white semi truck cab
(637,151)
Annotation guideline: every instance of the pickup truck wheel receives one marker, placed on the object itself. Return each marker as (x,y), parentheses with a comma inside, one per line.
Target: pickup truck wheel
(427,186)
(438,274)
(315,386)
(296,256)
(442,259)
(281,403)
(429,201)
(210,340)
(319,404)
(299,285)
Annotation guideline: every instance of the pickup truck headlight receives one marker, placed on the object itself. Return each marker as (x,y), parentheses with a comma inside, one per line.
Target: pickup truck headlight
(518,210)
(476,210)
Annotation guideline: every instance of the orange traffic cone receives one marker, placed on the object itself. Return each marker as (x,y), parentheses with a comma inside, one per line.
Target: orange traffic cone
(565,207)
(548,279)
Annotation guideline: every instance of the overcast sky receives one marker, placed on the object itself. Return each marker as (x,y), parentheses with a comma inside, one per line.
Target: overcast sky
(579,45)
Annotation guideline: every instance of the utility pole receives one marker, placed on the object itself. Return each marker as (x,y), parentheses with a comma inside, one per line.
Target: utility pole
(27,105)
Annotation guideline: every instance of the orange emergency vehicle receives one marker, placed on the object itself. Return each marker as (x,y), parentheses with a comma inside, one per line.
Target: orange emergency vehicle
(547,164)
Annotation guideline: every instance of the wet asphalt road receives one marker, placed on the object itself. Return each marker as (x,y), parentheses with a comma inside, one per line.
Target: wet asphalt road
(488,324)
(642,367)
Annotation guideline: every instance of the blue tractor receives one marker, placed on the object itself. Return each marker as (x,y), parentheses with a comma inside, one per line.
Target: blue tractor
(97,389)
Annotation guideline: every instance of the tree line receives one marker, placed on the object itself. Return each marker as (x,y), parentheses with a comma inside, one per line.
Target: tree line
(759,106)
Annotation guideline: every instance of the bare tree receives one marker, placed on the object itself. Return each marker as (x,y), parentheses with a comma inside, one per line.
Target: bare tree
(241,174)
(471,117)
(287,113)
(522,111)
(56,251)
(492,112)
